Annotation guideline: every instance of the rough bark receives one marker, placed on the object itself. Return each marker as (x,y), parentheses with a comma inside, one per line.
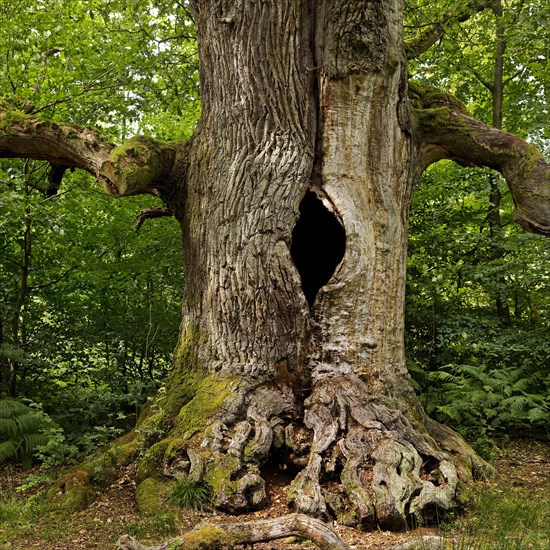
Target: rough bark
(211,536)
(319,387)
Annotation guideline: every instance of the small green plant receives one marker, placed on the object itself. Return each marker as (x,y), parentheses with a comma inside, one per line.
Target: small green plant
(152,526)
(56,451)
(21,431)
(15,510)
(190,494)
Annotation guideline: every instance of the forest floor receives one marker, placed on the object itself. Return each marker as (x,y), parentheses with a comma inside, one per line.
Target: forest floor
(510,512)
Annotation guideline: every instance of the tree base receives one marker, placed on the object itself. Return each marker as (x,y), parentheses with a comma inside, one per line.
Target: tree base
(355,456)
(349,455)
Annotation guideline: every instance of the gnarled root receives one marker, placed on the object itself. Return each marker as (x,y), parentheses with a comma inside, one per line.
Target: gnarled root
(231,452)
(362,459)
(210,536)
(392,471)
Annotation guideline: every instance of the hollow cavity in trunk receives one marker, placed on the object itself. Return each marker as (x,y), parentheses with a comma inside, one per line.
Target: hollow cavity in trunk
(318,245)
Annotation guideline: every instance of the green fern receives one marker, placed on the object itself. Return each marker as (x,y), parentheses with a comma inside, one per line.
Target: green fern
(21,431)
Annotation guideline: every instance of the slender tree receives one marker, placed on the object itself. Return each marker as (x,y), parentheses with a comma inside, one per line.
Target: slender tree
(293,197)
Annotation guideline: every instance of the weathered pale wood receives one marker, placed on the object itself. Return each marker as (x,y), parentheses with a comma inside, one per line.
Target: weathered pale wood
(211,536)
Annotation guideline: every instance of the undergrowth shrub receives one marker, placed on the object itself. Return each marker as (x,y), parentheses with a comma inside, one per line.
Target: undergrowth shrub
(478,401)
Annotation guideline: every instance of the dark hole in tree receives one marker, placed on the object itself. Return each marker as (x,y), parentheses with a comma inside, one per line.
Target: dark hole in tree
(318,245)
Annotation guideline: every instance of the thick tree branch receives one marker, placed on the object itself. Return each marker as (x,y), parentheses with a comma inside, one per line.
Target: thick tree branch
(129,169)
(446,131)
(426,38)
(212,536)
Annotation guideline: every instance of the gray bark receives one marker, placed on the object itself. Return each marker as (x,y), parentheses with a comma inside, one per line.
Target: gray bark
(211,536)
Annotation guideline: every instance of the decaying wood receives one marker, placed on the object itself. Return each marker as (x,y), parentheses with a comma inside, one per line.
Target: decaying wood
(212,536)
(321,386)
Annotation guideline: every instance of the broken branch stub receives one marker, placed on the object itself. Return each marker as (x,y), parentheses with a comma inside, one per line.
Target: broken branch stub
(136,166)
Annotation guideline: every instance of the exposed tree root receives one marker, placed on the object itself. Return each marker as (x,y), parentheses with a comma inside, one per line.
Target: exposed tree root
(391,470)
(210,536)
(359,459)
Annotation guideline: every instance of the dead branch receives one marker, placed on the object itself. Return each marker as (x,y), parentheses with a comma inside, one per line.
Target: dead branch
(211,536)
(148,214)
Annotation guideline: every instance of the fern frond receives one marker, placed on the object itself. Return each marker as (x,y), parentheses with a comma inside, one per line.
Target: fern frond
(537,414)
(8,428)
(31,422)
(31,441)
(516,404)
(10,408)
(8,450)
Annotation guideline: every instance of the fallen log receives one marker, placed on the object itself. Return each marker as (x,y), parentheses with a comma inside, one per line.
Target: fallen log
(214,536)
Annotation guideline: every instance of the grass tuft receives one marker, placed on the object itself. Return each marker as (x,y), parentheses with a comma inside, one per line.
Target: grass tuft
(504,519)
(190,494)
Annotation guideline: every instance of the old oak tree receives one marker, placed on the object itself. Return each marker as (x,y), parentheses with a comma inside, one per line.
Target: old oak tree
(293,197)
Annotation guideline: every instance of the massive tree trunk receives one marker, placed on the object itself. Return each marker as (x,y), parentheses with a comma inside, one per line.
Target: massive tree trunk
(294,219)
(293,198)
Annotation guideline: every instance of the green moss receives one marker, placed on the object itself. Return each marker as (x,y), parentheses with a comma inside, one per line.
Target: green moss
(175,445)
(207,401)
(8,119)
(152,459)
(219,475)
(531,157)
(123,455)
(150,496)
(207,535)
(71,492)
(152,427)
(423,96)
(185,375)
(140,159)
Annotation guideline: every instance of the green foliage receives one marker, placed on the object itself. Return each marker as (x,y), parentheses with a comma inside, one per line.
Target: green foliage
(21,431)
(159,525)
(56,451)
(89,310)
(190,494)
(471,370)
(15,510)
